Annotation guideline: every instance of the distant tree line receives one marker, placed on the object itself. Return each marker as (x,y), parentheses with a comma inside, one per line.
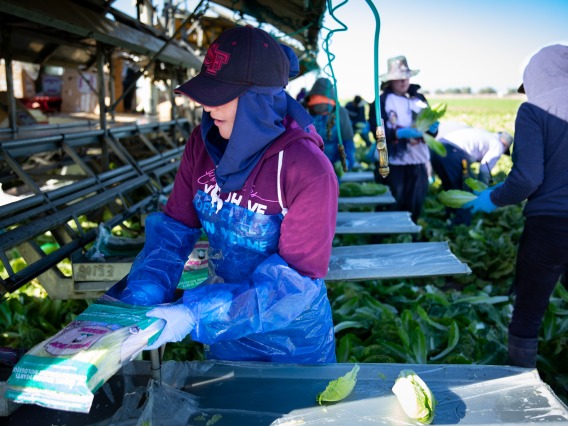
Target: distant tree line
(469,91)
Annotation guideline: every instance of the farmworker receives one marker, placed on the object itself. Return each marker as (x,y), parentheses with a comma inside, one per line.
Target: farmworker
(400,103)
(539,176)
(464,147)
(255,178)
(320,101)
(358,116)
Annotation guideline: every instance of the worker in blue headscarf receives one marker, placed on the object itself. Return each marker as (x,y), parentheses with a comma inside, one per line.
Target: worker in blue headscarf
(254,178)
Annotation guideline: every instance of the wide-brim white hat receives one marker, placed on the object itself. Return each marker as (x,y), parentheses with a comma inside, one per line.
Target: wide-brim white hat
(397,69)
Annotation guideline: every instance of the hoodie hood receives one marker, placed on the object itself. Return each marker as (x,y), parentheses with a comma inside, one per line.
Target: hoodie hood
(545,80)
(259,122)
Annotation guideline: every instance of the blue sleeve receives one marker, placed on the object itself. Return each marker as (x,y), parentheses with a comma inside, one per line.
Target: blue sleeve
(274,296)
(157,269)
(527,173)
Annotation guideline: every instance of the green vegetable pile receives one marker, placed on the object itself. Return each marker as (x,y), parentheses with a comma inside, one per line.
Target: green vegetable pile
(364,189)
(338,168)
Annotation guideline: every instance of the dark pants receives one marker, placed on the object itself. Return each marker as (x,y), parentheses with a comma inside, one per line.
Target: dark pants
(542,259)
(450,170)
(409,187)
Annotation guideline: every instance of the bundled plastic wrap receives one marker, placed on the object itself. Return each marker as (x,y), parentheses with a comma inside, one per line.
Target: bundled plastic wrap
(64,371)
(107,245)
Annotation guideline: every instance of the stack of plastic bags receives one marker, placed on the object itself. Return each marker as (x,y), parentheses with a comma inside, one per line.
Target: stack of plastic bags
(64,371)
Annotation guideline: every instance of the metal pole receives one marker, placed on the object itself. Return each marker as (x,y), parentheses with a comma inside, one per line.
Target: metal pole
(111,80)
(141,72)
(174,115)
(101,86)
(6,36)
(156,365)
(102,105)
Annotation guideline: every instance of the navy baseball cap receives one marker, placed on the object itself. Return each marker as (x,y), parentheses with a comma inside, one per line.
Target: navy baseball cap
(239,58)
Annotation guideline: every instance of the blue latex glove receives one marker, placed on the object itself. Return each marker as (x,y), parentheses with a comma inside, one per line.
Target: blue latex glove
(434,128)
(482,203)
(408,132)
(179,323)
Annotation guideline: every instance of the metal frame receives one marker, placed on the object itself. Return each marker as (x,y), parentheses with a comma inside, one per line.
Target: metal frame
(146,158)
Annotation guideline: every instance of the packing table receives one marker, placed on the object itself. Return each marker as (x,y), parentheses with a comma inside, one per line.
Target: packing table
(386,261)
(366,201)
(375,223)
(358,177)
(261,394)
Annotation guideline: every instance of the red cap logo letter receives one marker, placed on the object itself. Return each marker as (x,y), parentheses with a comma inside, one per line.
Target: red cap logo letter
(215,59)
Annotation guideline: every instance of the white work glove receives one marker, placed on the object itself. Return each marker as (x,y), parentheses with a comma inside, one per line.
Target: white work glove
(179,323)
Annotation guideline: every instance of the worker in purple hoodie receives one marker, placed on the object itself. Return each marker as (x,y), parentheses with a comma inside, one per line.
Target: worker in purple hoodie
(255,178)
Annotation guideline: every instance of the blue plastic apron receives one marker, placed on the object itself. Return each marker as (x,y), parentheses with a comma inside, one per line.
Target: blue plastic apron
(240,240)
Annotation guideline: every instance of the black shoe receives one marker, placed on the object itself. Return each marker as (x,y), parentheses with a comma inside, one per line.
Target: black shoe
(523,351)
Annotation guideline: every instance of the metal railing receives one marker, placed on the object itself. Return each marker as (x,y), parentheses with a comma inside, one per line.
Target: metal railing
(66,182)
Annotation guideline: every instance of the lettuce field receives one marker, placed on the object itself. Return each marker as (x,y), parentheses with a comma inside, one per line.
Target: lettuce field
(439,320)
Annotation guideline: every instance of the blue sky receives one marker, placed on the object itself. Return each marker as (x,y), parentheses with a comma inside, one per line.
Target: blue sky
(454,43)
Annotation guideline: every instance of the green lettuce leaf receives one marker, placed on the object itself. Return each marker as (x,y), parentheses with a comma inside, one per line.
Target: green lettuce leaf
(429,115)
(455,198)
(340,388)
(435,145)
(475,185)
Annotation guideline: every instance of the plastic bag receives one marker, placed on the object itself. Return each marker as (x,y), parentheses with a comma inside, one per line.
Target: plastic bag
(107,244)
(64,371)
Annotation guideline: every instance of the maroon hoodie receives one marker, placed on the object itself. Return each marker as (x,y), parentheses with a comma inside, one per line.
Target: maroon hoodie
(309,191)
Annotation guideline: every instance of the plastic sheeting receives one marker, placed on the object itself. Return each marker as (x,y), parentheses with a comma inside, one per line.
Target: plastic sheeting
(261,394)
(375,223)
(65,370)
(385,261)
(358,177)
(366,201)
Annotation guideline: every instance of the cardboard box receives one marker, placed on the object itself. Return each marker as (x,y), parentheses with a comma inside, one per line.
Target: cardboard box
(24,85)
(27,84)
(76,94)
(51,85)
